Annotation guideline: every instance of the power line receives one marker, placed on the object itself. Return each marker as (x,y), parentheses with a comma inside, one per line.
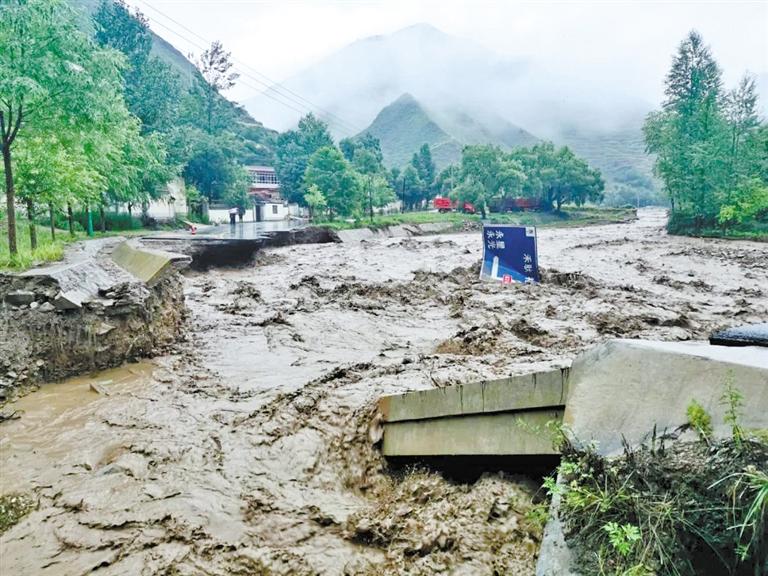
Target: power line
(258,90)
(270,84)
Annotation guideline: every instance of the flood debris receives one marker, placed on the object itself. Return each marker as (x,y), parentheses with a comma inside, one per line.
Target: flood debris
(83,314)
(248,448)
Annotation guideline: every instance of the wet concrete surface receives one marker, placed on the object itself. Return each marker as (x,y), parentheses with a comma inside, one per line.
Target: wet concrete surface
(247,450)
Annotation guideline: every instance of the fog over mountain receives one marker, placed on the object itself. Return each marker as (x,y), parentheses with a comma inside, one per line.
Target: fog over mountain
(446,74)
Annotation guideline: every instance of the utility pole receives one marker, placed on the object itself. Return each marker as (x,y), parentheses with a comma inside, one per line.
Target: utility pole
(370,197)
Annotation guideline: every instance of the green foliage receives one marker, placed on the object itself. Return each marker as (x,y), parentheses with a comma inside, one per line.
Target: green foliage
(622,537)
(685,509)
(709,145)
(332,175)
(553,175)
(733,400)
(293,151)
(316,201)
(700,420)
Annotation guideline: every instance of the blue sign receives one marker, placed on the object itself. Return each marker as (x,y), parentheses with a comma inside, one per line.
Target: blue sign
(509,254)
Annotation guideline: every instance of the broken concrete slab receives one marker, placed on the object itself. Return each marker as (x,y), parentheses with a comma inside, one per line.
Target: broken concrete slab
(499,417)
(149,266)
(20,297)
(522,433)
(624,389)
(536,390)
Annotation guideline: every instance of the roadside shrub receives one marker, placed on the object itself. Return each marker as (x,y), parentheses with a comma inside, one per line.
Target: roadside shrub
(687,509)
(699,420)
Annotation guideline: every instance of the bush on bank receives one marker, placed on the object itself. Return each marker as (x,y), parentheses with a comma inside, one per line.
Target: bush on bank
(695,508)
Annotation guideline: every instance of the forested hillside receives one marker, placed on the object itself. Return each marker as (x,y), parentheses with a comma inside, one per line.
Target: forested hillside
(405,125)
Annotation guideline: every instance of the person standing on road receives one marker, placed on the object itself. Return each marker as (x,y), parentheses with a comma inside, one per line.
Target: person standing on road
(232,215)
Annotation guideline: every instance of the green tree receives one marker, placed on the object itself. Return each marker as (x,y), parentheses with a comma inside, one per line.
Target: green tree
(216,76)
(687,135)
(211,166)
(487,172)
(315,200)
(707,143)
(425,167)
(411,187)
(152,88)
(293,150)
(332,175)
(51,76)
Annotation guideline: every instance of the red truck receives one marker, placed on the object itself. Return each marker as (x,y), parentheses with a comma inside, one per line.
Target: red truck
(516,204)
(447,205)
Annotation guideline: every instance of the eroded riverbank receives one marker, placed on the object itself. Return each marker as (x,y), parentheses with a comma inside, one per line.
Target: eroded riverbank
(247,450)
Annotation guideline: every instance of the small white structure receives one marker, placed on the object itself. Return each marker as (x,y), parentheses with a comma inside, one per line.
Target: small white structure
(171,205)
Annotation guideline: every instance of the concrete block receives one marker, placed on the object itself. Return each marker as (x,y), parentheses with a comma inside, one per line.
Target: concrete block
(535,390)
(20,297)
(147,265)
(505,433)
(623,388)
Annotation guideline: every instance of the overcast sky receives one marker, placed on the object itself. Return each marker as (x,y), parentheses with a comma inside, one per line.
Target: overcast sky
(629,41)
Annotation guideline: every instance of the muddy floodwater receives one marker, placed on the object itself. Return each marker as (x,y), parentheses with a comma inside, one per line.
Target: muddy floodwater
(247,450)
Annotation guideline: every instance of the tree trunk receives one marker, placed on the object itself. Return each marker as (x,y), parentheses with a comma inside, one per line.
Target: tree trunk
(89,220)
(102,218)
(370,199)
(70,219)
(130,211)
(10,198)
(53,222)
(32,228)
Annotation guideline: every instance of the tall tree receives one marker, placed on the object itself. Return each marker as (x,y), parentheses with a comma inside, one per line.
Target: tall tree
(62,80)
(332,175)
(687,135)
(215,66)
(425,167)
(487,172)
(293,150)
(152,88)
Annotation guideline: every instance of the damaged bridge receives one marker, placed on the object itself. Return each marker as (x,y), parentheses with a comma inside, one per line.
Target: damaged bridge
(494,418)
(620,391)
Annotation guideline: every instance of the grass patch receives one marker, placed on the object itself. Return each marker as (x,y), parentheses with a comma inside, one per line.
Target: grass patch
(692,509)
(581,216)
(13,507)
(48,250)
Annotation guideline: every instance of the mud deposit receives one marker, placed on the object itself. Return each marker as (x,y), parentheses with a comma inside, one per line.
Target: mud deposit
(83,314)
(247,450)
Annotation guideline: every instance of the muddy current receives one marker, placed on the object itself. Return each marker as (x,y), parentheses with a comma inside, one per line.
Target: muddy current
(247,450)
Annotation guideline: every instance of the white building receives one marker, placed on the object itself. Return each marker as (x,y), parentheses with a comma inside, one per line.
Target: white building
(268,204)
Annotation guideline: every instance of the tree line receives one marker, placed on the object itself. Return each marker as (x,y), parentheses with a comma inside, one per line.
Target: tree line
(92,119)
(710,144)
(345,180)
(351,179)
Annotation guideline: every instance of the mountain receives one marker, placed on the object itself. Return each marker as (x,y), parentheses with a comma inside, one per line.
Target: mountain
(471,94)
(405,125)
(260,140)
(356,82)
(160,47)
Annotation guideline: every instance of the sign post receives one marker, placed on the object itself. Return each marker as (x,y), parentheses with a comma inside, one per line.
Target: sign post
(509,254)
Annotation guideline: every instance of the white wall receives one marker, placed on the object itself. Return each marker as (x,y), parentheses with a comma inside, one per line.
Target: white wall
(164,208)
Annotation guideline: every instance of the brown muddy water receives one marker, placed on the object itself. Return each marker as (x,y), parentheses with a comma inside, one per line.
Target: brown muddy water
(246,451)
